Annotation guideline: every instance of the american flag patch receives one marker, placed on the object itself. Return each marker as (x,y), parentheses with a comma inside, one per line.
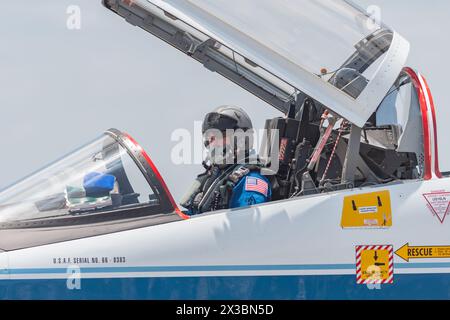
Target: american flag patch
(257,185)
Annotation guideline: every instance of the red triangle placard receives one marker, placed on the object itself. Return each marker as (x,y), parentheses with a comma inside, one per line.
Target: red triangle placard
(438,203)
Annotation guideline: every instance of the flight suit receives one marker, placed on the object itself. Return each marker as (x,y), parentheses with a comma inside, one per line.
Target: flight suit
(233,187)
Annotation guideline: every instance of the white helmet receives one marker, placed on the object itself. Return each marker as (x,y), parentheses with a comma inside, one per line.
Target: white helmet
(226,119)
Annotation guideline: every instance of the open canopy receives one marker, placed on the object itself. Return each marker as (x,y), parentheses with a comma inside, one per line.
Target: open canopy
(329,50)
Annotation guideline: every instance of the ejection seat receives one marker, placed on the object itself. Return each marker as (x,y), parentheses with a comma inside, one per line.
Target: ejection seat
(391,145)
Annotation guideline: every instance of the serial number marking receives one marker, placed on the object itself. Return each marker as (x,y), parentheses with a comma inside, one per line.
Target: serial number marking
(89,260)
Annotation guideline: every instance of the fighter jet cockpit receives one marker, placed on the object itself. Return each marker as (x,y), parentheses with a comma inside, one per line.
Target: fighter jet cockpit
(351,115)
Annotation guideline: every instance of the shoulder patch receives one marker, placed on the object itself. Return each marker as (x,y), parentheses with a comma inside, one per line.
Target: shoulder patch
(257,185)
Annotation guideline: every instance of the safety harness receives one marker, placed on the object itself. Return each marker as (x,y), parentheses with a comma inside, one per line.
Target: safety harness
(215,186)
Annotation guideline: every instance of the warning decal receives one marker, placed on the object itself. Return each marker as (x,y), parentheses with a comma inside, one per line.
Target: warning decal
(375,264)
(408,252)
(367,210)
(438,202)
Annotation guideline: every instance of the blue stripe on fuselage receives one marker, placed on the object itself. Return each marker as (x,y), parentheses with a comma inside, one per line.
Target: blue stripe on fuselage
(406,286)
(29,271)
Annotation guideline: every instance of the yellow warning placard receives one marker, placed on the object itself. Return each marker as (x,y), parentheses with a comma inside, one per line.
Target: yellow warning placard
(374,264)
(368,210)
(423,252)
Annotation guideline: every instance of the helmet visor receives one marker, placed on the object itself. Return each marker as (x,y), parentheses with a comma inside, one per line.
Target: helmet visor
(218,122)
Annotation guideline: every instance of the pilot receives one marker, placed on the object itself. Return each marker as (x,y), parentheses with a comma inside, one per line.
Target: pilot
(232,176)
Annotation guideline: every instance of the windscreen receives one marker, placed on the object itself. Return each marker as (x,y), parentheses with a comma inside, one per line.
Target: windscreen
(100,176)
